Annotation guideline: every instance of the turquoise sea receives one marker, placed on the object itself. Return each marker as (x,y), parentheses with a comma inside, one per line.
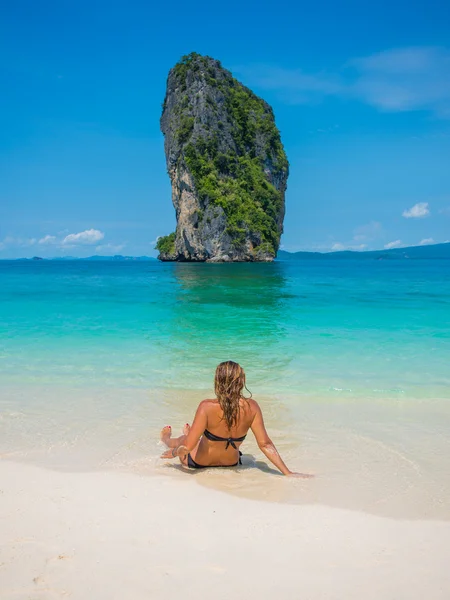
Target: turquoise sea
(95,356)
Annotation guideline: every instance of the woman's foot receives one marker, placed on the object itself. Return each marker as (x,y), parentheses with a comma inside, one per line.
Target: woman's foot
(186,429)
(166,433)
(168,440)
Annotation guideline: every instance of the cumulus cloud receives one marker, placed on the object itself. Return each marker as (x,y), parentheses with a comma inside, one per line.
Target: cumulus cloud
(426,242)
(48,239)
(90,236)
(417,211)
(394,244)
(396,80)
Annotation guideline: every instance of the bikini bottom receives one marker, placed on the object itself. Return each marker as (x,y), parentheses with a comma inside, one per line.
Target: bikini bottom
(194,465)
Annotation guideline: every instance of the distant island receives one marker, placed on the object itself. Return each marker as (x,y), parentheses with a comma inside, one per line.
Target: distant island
(116,258)
(436,251)
(227,166)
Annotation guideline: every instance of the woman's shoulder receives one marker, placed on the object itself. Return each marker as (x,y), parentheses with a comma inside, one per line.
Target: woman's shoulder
(213,404)
(251,404)
(208,403)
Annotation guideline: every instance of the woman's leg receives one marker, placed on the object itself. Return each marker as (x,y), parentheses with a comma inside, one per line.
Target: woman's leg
(169,441)
(166,438)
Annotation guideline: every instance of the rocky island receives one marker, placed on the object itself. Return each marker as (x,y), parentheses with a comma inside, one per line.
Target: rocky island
(227,166)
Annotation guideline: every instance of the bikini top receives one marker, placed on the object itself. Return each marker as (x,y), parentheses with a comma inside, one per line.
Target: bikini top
(230,441)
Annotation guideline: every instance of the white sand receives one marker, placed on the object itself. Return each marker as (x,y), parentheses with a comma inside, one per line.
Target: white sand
(95,536)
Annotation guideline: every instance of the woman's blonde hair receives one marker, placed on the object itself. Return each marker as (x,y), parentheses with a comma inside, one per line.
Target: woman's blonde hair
(228,385)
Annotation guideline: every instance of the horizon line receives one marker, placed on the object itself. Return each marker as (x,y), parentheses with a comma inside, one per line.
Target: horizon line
(143,256)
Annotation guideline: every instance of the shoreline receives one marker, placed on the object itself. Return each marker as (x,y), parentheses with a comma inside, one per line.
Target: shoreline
(387,459)
(109,535)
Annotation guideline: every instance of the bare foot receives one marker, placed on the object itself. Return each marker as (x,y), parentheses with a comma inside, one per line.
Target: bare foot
(166,433)
(186,429)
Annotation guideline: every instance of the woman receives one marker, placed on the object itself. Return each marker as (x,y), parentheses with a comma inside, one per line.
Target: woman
(221,425)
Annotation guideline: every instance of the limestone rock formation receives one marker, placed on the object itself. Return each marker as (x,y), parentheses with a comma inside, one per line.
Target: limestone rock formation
(227,166)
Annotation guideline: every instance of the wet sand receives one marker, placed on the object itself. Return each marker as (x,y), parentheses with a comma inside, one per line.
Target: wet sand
(388,457)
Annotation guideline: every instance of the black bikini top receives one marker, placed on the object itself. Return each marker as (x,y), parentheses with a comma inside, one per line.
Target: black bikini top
(230,441)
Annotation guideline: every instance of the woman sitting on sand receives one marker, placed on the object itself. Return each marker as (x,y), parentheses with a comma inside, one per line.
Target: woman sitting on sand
(221,425)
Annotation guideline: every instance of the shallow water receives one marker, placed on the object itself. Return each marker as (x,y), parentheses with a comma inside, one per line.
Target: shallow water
(349,359)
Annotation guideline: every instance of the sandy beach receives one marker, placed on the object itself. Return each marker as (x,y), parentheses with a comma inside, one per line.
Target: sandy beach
(107,535)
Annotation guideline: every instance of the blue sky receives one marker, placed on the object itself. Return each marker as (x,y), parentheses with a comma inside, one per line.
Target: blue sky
(361,93)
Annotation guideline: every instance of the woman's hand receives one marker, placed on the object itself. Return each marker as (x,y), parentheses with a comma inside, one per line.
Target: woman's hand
(169,453)
(299,475)
(175,452)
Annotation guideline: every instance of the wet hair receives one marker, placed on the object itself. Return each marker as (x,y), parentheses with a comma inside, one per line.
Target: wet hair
(228,385)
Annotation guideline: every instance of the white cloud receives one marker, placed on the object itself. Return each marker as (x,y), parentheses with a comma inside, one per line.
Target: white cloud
(404,79)
(109,249)
(426,242)
(294,85)
(48,239)
(395,80)
(417,211)
(21,242)
(90,236)
(395,244)
(338,247)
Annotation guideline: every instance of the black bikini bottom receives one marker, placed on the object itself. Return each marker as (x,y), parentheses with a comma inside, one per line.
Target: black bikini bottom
(194,465)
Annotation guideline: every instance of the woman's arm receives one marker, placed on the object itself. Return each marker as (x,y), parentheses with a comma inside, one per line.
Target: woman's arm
(267,446)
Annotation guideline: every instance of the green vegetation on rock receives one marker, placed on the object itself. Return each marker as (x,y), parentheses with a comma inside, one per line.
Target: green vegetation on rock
(166,244)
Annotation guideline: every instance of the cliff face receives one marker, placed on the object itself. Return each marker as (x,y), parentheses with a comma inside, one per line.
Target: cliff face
(227,166)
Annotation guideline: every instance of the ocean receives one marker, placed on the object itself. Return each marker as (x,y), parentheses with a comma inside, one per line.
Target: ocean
(350,360)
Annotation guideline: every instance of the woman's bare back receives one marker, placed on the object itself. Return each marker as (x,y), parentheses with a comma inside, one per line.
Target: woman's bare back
(210,452)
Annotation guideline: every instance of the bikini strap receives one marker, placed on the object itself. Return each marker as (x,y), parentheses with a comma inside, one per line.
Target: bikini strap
(230,441)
